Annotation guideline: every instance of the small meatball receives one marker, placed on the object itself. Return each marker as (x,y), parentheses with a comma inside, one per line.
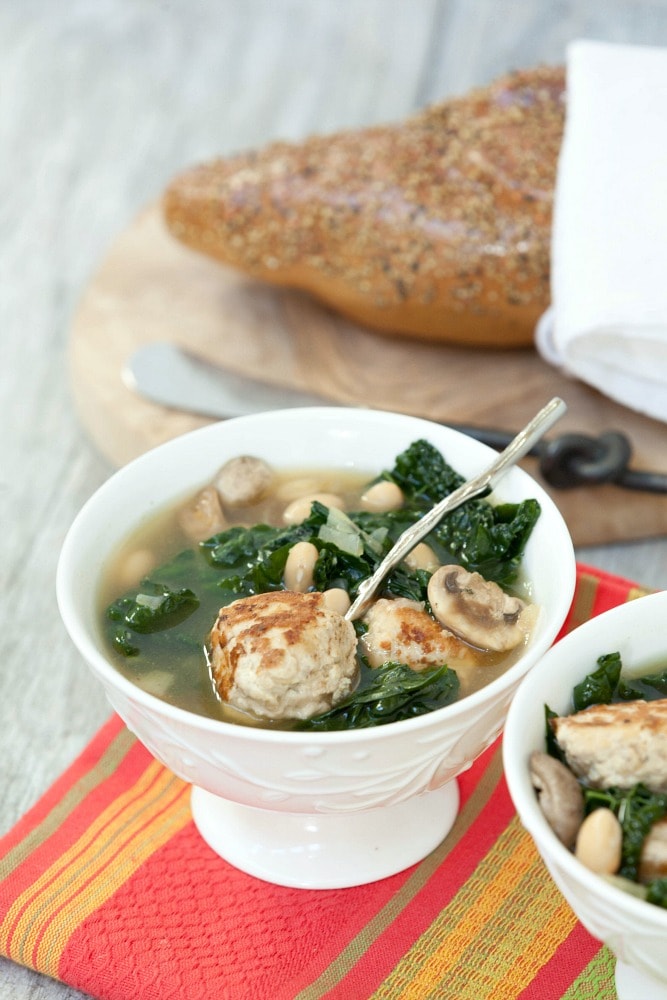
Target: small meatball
(283,655)
(203,517)
(243,480)
(401,630)
(617,745)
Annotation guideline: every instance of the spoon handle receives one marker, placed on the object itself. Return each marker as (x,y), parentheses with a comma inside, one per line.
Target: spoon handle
(518,447)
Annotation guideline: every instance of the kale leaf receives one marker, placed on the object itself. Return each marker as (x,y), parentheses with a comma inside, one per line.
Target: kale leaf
(553,746)
(647,687)
(423,474)
(657,892)
(252,560)
(392,692)
(599,687)
(154,608)
(605,685)
(483,538)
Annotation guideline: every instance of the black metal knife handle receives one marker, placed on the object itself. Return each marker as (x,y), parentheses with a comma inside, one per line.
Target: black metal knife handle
(572,460)
(579,460)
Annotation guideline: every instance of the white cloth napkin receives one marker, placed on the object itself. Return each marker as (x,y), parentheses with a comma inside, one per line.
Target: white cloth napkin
(607,324)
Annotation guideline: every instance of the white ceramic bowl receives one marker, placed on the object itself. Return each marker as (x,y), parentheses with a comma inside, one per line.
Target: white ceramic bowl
(634,930)
(309,809)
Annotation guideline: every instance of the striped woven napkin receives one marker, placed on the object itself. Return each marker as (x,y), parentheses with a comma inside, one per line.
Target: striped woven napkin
(106,885)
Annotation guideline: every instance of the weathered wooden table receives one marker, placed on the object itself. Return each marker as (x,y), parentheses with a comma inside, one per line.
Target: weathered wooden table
(101,103)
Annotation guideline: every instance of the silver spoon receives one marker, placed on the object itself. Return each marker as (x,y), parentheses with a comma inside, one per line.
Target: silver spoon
(518,447)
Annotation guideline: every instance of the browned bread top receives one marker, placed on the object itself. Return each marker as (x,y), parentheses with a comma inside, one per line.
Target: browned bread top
(437,226)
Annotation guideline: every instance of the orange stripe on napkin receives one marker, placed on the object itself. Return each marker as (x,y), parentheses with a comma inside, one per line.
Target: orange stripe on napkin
(38,924)
(372,953)
(479,948)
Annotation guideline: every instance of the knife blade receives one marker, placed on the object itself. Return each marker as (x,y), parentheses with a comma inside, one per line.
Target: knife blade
(171,375)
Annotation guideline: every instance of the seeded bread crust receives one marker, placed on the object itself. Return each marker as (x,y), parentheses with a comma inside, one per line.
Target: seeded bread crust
(436,227)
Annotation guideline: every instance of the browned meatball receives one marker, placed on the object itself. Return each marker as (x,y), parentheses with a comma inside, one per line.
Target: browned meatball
(283,655)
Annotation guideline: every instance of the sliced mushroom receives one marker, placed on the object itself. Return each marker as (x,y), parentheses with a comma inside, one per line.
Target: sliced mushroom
(559,794)
(243,480)
(477,610)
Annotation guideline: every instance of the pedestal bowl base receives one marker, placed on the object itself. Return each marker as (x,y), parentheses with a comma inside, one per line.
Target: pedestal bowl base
(325,850)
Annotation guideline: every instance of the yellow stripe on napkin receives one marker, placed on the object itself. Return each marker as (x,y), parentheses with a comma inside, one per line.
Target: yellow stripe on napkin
(481,945)
(40,922)
(360,944)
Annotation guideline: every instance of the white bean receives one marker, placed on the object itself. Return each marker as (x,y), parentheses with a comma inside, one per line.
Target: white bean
(382,496)
(299,567)
(336,599)
(157,682)
(299,509)
(422,557)
(599,842)
(135,567)
(292,489)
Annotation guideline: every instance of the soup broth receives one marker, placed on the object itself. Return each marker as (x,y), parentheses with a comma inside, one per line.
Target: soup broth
(172,662)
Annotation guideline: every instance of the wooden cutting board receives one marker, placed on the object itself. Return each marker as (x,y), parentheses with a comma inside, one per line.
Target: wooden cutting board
(150,287)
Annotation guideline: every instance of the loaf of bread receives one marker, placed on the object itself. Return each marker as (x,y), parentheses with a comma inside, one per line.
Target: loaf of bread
(435,227)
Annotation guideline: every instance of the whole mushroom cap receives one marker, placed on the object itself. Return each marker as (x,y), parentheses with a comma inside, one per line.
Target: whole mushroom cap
(475,609)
